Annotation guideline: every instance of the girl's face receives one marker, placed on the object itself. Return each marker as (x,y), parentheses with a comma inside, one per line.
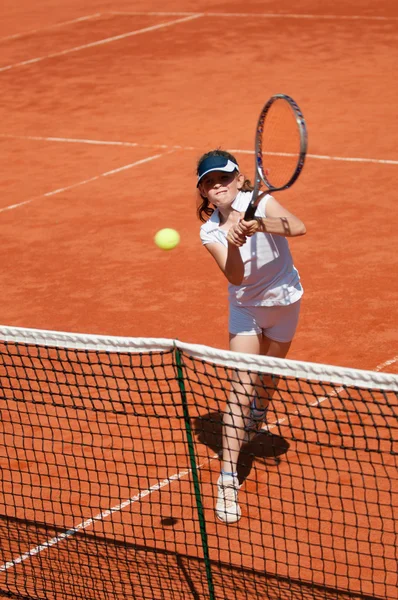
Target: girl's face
(221,188)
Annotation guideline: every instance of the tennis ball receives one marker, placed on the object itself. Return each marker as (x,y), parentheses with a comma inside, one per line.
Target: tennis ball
(167,239)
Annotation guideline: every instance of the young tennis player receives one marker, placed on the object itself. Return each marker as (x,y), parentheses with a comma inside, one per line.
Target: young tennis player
(264,297)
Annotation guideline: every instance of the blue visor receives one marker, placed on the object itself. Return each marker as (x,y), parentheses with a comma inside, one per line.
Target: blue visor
(216,163)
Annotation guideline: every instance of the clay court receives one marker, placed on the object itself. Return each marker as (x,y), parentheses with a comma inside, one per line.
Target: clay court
(100,138)
(105,109)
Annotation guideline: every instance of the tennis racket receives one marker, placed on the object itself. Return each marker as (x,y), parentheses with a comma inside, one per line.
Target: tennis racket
(280,148)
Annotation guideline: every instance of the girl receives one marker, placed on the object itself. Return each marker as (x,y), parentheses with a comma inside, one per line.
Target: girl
(264,297)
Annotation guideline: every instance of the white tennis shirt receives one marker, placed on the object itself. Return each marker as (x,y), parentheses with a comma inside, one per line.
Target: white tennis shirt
(270,278)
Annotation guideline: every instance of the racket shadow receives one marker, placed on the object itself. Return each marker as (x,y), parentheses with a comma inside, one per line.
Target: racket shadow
(266,447)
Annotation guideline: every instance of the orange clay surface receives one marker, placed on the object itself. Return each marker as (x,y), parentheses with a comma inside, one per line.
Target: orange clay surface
(103,120)
(83,259)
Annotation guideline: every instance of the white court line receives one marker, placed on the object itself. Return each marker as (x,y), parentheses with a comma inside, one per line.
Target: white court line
(386,363)
(381,161)
(39,138)
(100,42)
(348,159)
(79,183)
(54,26)
(264,15)
(84,524)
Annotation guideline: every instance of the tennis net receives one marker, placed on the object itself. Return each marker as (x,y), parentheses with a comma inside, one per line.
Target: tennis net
(110,453)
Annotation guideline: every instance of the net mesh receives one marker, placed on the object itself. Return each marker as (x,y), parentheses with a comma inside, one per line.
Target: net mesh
(110,453)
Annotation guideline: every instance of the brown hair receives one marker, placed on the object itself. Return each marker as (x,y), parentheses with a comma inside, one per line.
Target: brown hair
(204,210)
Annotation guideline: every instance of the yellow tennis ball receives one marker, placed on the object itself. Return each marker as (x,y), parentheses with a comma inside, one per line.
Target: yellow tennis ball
(167,238)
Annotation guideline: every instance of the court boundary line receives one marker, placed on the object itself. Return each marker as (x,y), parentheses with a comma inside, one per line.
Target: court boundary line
(85,524)
(99,42)
(185,16)
(85,181)
(262,15)
(206,14)
(184,148)
(54,26)
(39,138)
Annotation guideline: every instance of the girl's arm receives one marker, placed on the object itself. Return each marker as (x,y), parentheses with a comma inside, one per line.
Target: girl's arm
(278,221)
(229,259)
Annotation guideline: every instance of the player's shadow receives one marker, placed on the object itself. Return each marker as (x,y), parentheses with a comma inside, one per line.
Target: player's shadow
(267,447)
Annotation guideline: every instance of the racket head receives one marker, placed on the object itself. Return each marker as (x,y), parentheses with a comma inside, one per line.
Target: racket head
(281,143)
(280,148)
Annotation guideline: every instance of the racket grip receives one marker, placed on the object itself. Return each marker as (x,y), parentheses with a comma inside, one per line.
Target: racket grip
(250,212)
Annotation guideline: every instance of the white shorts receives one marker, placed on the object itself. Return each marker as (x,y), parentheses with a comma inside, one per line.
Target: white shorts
(277,323)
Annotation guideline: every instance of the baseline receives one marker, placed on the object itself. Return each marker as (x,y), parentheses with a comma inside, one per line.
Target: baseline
(264,15)
(54,26)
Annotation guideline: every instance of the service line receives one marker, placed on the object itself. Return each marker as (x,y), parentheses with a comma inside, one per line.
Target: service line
(380,161)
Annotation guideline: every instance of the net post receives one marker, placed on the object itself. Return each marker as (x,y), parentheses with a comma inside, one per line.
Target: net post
(194,469)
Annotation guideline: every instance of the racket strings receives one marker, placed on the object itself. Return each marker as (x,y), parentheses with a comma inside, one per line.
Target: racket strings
(280,141)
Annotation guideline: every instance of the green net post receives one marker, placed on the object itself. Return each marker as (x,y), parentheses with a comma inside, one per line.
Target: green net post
(195,477)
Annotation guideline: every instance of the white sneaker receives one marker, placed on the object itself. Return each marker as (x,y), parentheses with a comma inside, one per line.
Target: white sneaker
(227,507)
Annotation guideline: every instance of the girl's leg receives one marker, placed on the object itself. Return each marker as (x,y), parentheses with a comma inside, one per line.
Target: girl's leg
(266,388)
(273,348)
(239,403)
(238,408)
(278,322)
(243,389)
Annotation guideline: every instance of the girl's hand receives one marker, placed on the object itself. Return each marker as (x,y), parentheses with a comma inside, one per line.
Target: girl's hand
(249,228)
(235,236)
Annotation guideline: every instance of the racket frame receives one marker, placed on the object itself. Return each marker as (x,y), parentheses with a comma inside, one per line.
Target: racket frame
(260,172)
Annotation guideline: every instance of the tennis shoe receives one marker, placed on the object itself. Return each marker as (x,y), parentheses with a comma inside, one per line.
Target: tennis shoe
(227,507)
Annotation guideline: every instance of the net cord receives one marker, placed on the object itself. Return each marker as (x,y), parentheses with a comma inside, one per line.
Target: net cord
(249,362)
